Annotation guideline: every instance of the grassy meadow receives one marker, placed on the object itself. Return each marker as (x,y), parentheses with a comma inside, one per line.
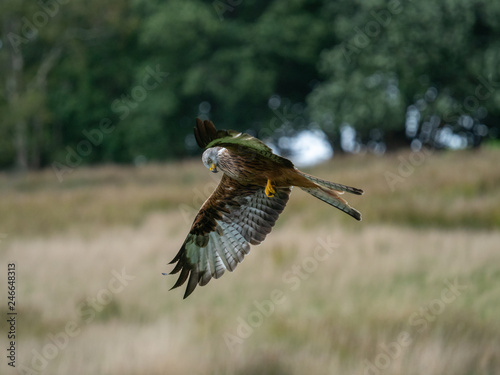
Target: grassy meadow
(412,289)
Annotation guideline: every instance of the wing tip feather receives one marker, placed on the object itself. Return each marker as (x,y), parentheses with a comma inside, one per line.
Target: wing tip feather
(204,132)
(192,283)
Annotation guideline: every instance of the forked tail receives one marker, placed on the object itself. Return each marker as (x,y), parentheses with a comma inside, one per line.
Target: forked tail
(331,185)
(329,192)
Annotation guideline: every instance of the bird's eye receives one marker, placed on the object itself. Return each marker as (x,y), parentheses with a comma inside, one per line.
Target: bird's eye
(209,161)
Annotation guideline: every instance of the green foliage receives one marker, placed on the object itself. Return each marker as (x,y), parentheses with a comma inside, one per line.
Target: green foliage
(67,66)
(393,53)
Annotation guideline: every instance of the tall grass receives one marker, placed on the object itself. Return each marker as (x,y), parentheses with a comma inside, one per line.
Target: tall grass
(449,190)
(378,302)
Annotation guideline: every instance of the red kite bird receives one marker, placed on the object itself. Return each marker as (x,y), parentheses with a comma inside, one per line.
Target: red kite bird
(252,193)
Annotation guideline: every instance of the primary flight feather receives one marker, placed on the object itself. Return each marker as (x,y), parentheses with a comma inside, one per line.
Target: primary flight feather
(252,193)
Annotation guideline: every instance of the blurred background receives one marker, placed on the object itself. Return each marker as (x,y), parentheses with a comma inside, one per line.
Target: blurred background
(100,180)
(365,76)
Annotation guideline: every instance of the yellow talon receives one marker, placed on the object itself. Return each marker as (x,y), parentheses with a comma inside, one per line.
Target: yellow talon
(270,191)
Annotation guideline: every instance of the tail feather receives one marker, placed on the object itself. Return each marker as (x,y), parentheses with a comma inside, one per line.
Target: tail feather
(331,197)
(331,185)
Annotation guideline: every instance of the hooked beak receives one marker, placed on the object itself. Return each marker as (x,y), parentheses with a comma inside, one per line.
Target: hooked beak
(213,168)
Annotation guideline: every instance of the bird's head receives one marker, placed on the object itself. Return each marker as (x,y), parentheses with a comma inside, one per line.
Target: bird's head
(210,158)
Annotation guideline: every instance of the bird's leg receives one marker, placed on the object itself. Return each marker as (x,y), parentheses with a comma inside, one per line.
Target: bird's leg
(270,189)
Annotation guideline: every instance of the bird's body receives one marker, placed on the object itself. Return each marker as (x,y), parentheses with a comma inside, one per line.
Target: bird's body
(252,193)
(259,169)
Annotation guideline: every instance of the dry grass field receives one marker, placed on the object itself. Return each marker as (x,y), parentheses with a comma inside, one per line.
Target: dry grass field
(412,289)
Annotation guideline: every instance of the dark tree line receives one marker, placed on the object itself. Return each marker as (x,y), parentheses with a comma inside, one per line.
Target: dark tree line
(91,82)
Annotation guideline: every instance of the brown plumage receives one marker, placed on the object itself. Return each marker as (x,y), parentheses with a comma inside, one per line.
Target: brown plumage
(251,195)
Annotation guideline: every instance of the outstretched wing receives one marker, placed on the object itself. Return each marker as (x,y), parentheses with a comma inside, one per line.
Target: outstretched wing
(231,219)
(207,136)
